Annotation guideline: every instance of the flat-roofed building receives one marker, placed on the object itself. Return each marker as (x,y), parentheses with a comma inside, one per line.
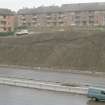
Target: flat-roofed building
(7,20)
(83,14)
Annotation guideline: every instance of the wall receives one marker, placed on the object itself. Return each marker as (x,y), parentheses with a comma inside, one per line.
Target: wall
(43,85)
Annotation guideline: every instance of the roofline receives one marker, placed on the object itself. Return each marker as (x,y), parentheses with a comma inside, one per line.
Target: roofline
(85,3)
(64,9)
(55,12)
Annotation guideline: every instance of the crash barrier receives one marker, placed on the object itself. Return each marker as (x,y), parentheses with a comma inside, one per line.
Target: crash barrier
(42,85)
(91,72)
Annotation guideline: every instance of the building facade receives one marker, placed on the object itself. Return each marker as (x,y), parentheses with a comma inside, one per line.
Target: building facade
(7,20)
(84,14)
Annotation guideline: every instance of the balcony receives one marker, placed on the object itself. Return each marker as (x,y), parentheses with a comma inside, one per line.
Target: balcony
(2,26)
(34,19)
(24,21)
(3,20)
(23,18)
(50,20)
(34,16)
(3,23)
(48,16)
(59,20)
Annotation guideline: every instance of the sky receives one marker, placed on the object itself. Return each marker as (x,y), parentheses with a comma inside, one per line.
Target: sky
(18,4)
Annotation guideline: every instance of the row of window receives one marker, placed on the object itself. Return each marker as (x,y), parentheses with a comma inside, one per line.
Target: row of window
(47,23)
(5,28)
(84,22)
(61,22)
(91,19)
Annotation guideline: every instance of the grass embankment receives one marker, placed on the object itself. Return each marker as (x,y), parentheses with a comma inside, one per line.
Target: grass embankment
(83,50)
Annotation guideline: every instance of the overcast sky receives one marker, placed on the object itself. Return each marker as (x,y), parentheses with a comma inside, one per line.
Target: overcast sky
(17,4)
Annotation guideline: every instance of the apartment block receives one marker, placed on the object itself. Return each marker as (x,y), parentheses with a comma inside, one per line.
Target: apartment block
(83,14)
(7,20)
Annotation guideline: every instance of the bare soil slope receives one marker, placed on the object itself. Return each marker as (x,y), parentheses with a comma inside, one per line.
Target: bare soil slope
(81,50)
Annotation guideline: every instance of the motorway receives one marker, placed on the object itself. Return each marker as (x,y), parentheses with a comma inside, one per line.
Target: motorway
(10,95)
(37,75)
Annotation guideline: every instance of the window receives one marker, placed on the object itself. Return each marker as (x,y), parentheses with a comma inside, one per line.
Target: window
(103,92)
(4,28)
(9,29)
(91,22)
(77,12)
(34,19)
(91,17)
(77,17)
(4,17)
(77,22)
(3,22)
(91,12)
(84,22)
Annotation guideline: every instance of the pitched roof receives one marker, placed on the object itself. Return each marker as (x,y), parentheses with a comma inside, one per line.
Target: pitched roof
(63,8)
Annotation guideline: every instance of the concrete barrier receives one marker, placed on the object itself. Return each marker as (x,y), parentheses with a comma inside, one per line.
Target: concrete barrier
(91,72)
(43,85)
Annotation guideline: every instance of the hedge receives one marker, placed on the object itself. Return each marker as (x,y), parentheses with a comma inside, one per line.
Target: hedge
(7,33)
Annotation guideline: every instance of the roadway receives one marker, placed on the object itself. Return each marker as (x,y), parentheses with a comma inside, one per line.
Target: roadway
(11,95)
(72,78)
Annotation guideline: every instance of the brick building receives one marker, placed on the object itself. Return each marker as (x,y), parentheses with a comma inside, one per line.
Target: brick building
(7,20)
(84,14)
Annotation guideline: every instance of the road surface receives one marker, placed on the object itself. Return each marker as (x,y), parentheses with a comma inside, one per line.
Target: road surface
(10,95)
(53,76)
